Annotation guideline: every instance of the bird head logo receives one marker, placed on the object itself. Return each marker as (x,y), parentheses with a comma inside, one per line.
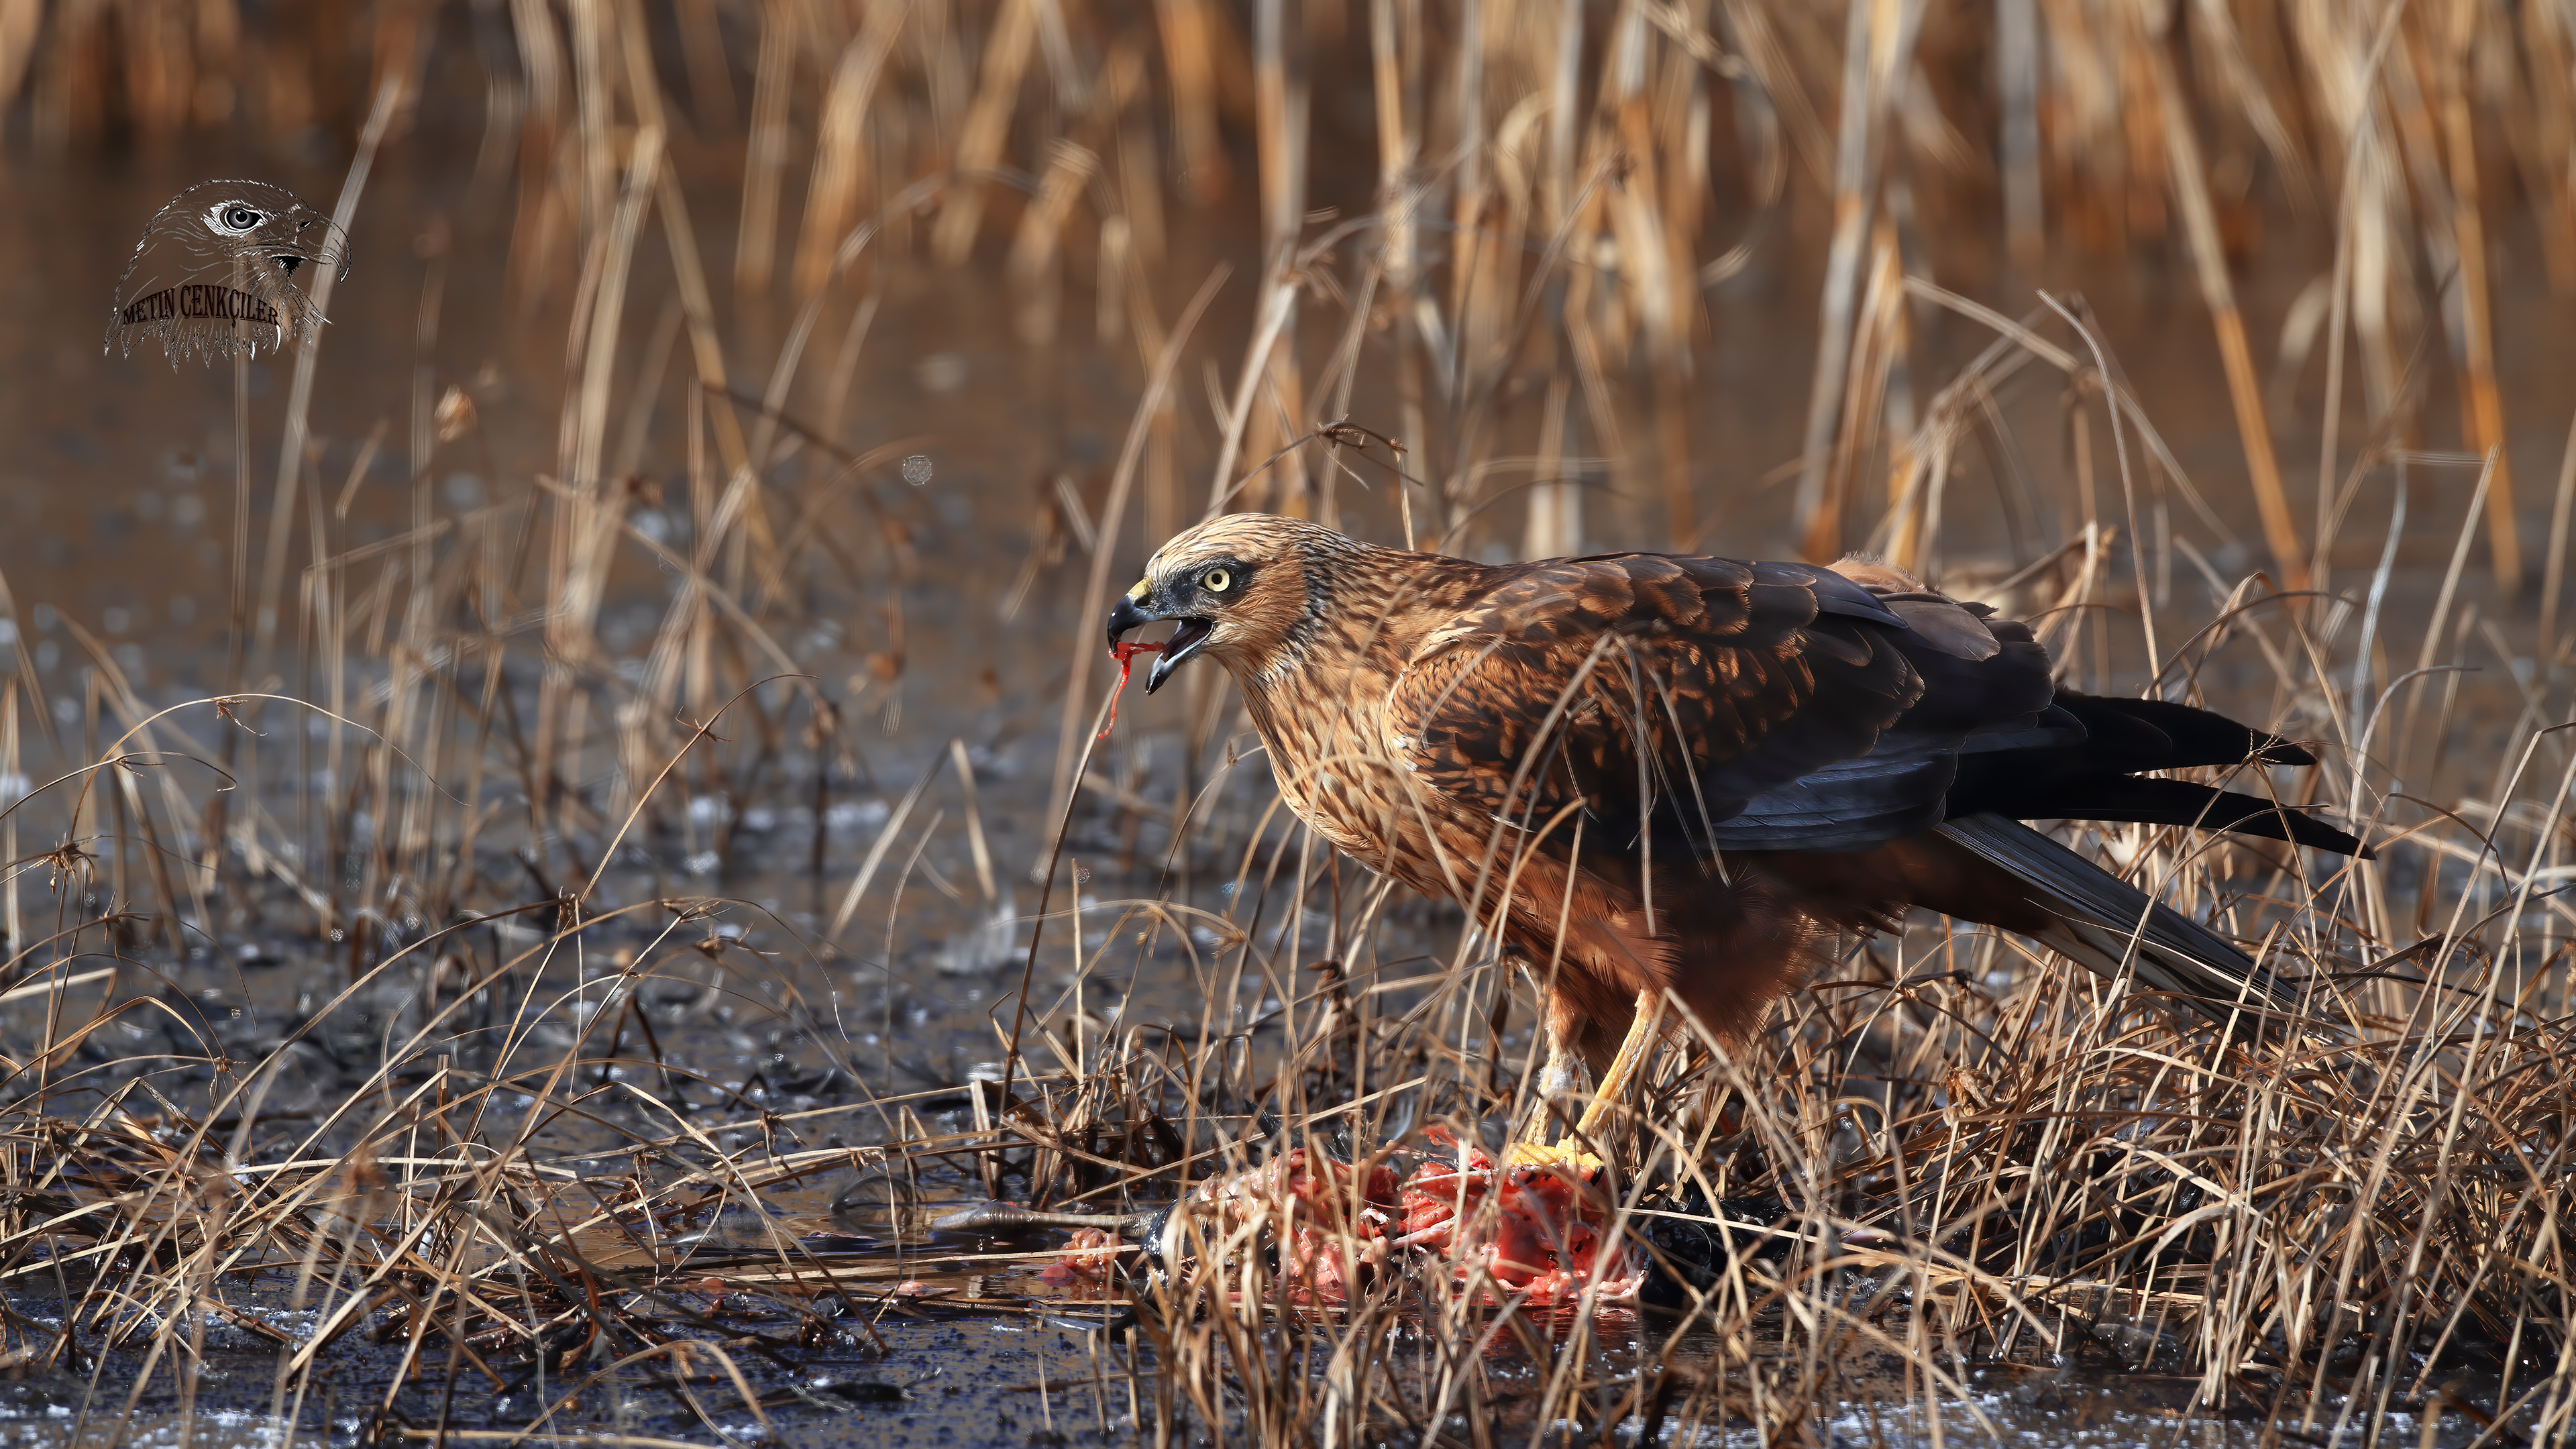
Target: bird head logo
(223,271)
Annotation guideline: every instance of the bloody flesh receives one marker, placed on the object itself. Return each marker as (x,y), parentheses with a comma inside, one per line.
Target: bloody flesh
(1125,654)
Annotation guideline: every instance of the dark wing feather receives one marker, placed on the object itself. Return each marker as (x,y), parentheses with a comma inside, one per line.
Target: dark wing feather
(2089,775)
(1985,689)
(1711,702)
(2113,927)
(2179,802)
(2125,736)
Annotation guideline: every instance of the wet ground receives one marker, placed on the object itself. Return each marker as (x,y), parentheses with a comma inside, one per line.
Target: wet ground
(115,514)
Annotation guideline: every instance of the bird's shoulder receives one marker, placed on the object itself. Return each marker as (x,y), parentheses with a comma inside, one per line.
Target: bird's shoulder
(1743,668)
(1824,705)
(1573,602)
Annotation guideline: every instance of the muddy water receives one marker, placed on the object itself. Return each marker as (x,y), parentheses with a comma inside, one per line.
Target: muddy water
(116,515)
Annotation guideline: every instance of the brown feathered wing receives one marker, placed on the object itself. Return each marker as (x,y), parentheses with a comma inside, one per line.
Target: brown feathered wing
(1696,705)
(1678,710)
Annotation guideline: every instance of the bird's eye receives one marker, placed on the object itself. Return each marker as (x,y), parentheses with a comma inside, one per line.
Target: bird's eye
(237,219)
(1217,581)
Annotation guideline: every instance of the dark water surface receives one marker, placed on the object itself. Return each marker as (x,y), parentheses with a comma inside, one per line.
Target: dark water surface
(116,514)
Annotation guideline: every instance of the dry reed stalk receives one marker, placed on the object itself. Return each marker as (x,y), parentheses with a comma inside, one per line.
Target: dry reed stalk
(1654,225)
(2200,228)
(1269,415)
(2482,403)
(1876,51)
(1190,38)
(979,145)
(1395,54)
(1032,265)
(1878,350)
(765,153)
(841,161)
(19,21)
(1554,527)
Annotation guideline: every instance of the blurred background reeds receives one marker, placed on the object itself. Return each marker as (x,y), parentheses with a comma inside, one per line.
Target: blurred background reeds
(581,784)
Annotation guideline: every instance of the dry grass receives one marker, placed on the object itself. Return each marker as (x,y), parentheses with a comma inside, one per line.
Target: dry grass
(465,794)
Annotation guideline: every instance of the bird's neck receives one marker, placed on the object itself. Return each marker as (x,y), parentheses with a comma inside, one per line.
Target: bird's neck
(1367,612)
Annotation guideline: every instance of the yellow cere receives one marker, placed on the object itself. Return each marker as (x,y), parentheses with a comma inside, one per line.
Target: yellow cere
(1137,592)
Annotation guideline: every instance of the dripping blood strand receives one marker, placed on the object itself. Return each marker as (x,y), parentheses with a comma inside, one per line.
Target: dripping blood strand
(1125,654)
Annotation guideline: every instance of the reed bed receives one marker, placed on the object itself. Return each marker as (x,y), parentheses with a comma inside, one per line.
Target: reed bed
(549,1133)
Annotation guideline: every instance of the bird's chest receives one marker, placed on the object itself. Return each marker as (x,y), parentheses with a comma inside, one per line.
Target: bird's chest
(1329,755)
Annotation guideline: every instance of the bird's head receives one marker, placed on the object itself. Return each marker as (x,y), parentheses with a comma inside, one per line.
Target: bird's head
(1243,587)
(265,228)
(225,269)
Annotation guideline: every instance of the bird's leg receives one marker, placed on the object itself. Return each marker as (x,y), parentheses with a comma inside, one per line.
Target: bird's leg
(1644,1033)
(1555,1080)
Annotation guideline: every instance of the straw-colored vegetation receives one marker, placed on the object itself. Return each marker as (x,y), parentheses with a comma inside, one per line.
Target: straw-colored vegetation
(464,801)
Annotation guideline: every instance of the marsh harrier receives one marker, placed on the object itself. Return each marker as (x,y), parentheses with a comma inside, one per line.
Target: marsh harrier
(1658,774)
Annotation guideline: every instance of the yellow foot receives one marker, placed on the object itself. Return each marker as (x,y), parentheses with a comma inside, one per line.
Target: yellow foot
(1567,1155)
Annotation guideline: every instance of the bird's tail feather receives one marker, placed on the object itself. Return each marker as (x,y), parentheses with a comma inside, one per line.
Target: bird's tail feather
(2107,924)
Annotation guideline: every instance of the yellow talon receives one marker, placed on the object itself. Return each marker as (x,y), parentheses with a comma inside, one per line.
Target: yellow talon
(1567,1155)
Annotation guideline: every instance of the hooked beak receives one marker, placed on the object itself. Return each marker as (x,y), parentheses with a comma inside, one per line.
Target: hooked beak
(1128,615)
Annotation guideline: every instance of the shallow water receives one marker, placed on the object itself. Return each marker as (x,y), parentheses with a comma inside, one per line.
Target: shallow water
(116,515)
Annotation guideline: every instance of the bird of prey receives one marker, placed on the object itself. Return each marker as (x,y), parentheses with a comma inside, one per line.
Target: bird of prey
(1675,782)
(221,271)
